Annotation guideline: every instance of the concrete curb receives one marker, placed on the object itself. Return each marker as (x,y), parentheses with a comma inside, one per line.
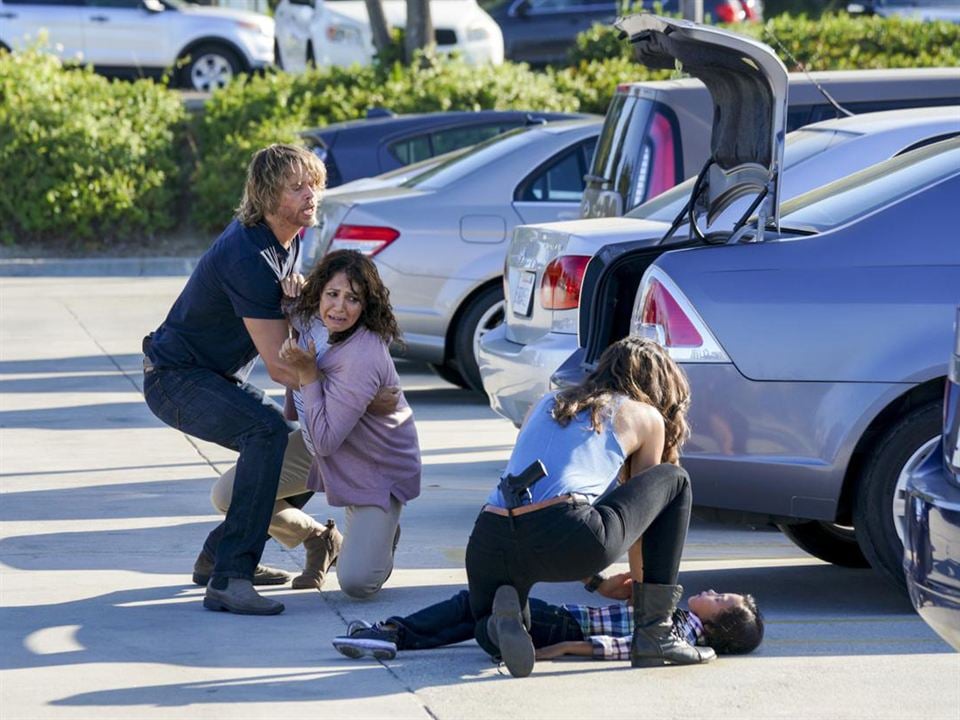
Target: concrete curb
(98,267)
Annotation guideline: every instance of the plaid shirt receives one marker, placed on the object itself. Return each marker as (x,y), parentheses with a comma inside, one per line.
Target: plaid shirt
(609,629)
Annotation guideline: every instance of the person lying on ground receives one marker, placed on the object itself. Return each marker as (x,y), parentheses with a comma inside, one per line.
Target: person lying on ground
(729,623)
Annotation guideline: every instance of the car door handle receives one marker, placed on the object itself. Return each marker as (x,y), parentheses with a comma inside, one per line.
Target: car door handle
(99,18)
(8,15)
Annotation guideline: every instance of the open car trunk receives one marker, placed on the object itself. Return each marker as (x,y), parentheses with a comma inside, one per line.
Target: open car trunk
(748,86)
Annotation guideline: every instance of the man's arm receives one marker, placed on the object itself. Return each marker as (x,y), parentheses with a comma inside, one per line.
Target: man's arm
(268,336)
(571,647)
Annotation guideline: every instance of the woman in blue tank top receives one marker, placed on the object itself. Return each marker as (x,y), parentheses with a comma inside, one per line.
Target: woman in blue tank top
(610,449)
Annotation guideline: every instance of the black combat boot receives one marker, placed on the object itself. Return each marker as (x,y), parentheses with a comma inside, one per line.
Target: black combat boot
(654,641)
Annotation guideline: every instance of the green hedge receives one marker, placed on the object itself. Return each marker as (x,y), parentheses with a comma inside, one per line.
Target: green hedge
(831,42)
(82,158)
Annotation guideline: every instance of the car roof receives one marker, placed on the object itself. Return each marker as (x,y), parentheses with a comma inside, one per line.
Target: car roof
(891,119)
(378,125)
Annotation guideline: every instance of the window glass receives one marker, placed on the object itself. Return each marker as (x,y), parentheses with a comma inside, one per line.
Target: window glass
(561,180)
(801,145)
(412,150)
(474,159)
(454,138)
(859,194)
(128,4)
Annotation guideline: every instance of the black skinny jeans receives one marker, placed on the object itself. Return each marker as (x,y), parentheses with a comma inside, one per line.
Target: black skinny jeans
(561,543)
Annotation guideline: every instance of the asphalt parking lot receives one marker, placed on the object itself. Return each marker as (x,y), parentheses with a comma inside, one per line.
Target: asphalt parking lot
(103,510)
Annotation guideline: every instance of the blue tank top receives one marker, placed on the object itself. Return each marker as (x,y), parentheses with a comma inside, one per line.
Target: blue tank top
(577,458)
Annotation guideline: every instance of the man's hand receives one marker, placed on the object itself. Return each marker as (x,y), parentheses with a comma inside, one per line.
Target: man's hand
(617,587)
(292,285)
(304,362)
(385,401)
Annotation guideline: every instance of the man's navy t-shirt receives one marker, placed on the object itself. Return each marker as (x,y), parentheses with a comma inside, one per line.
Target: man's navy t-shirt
(238,277)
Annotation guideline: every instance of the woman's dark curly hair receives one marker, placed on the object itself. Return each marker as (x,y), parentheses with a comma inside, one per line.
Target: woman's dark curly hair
(377,313)
(642,370)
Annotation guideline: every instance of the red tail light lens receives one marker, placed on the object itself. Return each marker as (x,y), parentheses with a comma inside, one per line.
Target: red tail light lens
(751,10)
(560,287)
(661,309)
(367,239)
(730,11)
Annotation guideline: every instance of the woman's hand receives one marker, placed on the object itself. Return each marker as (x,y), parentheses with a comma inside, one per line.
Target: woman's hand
(385,401)
(292,285)
(304,362)
(617,587)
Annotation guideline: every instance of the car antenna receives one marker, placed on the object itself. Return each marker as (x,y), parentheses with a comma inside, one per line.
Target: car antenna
(803,68)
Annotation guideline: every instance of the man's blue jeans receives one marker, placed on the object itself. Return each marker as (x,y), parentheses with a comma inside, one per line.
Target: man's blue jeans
(208,406)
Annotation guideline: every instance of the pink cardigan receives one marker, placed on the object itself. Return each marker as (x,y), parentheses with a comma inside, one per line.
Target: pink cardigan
(362,459)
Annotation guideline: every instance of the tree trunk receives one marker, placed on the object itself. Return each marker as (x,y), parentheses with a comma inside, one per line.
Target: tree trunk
(378,25)
(419,32)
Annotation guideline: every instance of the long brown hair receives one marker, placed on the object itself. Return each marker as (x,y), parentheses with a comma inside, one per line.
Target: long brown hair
(376,313)
(268,170)
(641,370)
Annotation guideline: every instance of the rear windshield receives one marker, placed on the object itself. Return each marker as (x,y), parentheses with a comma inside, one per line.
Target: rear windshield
(856,195)
(801,145)
(474,158)
(615,144)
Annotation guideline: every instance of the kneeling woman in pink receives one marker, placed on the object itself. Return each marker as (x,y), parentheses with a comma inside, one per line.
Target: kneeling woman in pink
(368,463)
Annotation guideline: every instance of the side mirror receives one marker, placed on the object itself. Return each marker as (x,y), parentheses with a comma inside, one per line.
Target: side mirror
(520,8)
(153,6)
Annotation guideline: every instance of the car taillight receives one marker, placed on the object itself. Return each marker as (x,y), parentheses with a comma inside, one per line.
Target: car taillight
(661,312)
(729,11)
(658,161)
(560,287)
(367,239)
(751,10)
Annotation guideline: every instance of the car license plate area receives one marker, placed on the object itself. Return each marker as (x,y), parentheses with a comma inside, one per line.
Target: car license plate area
(522,300)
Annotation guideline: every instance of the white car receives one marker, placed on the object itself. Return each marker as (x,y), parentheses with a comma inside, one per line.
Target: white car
(545,263)
(337,32)
(144,37)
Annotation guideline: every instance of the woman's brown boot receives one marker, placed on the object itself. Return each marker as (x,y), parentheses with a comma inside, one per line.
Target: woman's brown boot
(322,548)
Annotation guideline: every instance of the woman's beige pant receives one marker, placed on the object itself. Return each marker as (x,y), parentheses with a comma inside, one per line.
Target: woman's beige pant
(366,558)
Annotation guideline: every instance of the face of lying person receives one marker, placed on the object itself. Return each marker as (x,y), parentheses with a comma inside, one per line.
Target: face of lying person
(340,304)
(708,604)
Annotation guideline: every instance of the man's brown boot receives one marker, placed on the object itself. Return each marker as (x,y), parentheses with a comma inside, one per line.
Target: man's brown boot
(322,548)
(262,575)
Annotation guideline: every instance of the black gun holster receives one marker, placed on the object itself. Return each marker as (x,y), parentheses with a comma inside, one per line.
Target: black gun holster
(516,488)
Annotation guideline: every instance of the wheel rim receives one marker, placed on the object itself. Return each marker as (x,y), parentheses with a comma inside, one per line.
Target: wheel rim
(488,321)
(210,72)
(900,491)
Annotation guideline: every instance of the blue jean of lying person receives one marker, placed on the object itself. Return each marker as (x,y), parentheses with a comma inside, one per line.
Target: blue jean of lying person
(451,621)
(206,405)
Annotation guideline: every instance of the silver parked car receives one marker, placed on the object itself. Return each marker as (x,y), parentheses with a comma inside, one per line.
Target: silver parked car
(517,358)
(814,334)
(439,239)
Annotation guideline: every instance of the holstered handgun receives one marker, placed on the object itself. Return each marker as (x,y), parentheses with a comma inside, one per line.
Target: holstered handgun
(516,488)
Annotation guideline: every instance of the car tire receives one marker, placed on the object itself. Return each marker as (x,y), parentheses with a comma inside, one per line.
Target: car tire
(449,373)
(210,67)
(832,543)
(879,508)
(484,313)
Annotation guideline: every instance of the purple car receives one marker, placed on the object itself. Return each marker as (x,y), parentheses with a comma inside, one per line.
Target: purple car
(814,333)
(931,543)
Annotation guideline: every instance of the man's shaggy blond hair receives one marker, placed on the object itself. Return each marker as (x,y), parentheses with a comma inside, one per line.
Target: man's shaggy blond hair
(269,170)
